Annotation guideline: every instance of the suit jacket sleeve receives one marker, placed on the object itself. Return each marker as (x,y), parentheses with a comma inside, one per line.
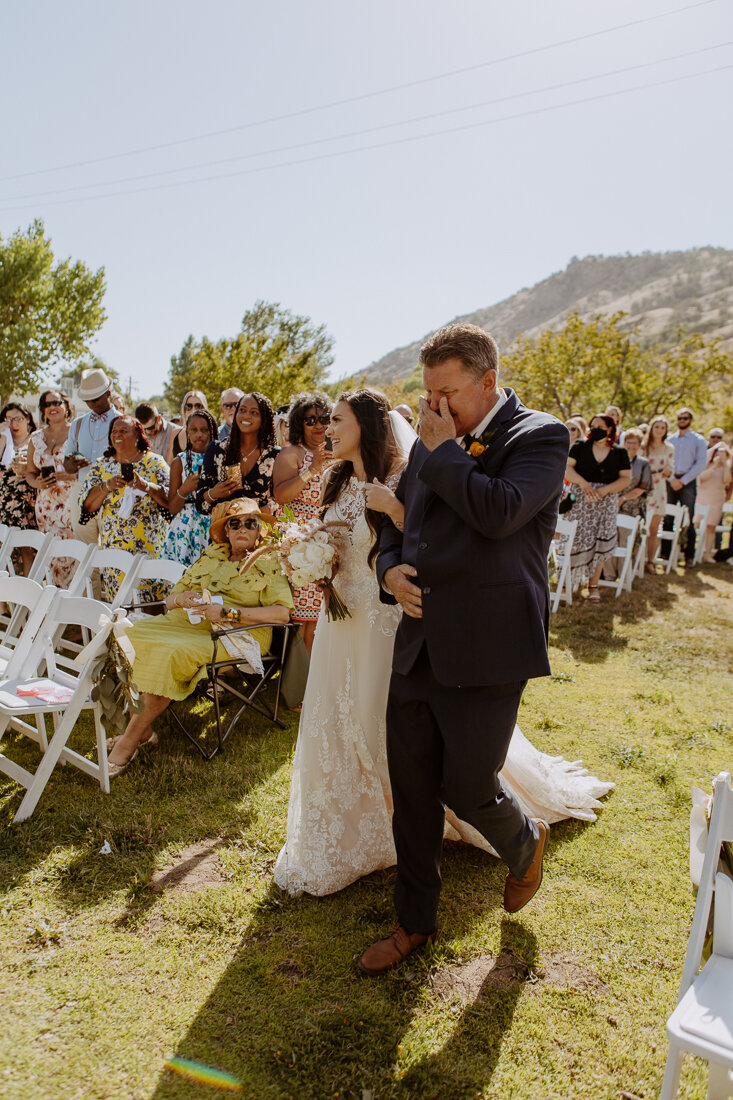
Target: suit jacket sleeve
(390,546)
(496,507)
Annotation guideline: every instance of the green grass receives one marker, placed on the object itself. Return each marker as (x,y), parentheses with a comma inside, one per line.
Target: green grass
(103,977)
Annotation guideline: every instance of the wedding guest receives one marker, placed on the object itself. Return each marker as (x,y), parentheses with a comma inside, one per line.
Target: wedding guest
(282,432)
(406,411)
(229,400)
(118,401)
(87,441)
(632,501)
(575,430)
(242,465)
(159,431)
(615,413)
(715,435)
(690,458)
(54,487)
(171,652)
(194,399)
(17,497)
(659,453)
(128,487)
(602,470)
(713,488)
(297,482)
(188,535)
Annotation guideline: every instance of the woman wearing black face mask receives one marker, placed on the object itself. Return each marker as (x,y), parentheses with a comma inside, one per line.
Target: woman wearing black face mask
(602,470)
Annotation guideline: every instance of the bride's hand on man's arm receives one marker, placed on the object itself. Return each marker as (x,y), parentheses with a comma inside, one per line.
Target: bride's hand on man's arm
(408,595)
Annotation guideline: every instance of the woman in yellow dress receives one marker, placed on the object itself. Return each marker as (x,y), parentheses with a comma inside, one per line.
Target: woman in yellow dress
(171,653)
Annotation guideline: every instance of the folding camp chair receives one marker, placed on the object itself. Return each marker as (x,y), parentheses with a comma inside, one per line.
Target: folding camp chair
(60,693)
(560,550)
(233,677)
(702,1022)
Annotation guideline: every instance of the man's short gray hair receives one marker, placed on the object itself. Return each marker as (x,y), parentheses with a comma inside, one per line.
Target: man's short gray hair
(475,348)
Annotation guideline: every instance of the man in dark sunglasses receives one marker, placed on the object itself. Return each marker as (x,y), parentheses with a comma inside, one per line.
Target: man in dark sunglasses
(690,457)
(229,401)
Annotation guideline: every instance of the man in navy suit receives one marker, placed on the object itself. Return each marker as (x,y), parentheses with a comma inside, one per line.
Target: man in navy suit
(469,567)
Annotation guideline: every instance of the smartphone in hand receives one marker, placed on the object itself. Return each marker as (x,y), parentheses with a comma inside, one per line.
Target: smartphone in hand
(127,472)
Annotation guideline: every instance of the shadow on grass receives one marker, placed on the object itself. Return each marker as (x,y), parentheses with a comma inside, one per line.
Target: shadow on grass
(169,797)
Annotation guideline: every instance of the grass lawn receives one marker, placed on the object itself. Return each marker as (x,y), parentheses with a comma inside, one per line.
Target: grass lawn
(178,942)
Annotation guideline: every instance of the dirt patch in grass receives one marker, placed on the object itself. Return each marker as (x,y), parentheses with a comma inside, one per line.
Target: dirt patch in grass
(505,973)
(195,869)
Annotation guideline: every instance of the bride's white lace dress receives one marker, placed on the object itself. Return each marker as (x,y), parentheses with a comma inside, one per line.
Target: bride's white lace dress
(340,811)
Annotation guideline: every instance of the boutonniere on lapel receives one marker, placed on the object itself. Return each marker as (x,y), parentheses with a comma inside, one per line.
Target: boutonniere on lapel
(479,445)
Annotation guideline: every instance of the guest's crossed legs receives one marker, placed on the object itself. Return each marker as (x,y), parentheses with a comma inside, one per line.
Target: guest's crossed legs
(446,746)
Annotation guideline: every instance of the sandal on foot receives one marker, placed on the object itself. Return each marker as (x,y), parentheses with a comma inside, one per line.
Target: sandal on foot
(650,567)
(112,741)
(594,594)
(118,769)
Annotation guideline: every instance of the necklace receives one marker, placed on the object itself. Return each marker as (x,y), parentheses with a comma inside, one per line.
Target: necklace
(105,427)
(249,454)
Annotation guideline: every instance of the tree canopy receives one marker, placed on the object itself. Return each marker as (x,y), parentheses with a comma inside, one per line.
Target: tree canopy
(275,352)
(49,311)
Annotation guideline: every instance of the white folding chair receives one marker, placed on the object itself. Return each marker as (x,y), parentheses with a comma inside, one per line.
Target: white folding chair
(623,555)
(59,547)
(35,600)
(637,569)
(702,1022)
(679,515)
(722,527)
(67,693)
(154,569)
(21,538)
(100,559)
(560,550)
(702,512)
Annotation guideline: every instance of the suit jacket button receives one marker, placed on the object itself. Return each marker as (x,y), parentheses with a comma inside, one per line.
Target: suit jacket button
(422,546)
(426,591)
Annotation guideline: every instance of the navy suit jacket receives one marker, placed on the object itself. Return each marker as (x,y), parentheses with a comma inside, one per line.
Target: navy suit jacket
(478,532)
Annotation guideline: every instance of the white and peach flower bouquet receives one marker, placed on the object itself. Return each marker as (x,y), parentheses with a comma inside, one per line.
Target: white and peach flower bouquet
(308,555)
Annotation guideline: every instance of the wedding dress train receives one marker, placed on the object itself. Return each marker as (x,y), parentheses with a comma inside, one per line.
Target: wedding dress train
(340,810)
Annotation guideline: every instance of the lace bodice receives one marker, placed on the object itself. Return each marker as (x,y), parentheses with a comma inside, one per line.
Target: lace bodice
(356,580)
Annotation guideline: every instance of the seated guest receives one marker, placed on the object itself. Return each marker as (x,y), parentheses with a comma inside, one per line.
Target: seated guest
(171,653)
(128,487)
(188,535)
(242,465)
(159,431)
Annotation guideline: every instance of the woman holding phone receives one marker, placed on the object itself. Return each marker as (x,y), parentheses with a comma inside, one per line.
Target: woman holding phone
(45,473)
(128,486)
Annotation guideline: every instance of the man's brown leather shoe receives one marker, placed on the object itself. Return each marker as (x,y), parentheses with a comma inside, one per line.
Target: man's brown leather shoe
(518,891)
(386,953)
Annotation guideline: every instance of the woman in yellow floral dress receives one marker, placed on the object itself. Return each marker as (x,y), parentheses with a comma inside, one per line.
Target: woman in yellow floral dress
(130,487)
(171,653)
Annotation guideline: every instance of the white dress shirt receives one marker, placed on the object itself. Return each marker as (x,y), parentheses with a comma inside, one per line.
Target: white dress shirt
(479,430)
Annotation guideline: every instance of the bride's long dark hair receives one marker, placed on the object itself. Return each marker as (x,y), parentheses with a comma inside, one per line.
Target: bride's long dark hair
(378,453)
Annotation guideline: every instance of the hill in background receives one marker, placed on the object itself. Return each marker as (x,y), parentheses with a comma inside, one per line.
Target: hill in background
(659,290)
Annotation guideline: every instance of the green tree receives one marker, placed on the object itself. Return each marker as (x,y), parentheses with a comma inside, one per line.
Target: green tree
(587,365)
(275,352)
(48,312)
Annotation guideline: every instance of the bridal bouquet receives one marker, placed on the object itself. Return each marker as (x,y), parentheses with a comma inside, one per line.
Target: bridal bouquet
(308,555)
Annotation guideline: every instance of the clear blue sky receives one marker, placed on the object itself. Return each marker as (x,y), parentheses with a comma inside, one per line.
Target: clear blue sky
(381,244)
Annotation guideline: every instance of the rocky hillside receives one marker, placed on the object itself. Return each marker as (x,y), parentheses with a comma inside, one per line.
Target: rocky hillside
(659,290)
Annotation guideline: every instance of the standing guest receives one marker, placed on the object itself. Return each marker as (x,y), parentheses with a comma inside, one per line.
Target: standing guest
(118,401)
(87,441)
(576,432)
(715,436)
(159,431)
(282,431)
(659,453)
(17,498)
(406,411)
(54,487)
(712,490)
(615,413)
(242,465)
(188,535)
(690,458)
(194,399)
(297,482)
(128,487)
(229,400)
(632,501)
(602,469)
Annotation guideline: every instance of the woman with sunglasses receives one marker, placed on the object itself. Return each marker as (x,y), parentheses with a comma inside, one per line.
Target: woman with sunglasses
(54,487)
(171,652)
(242,465)
(297,481)
(193,401)
(17,498)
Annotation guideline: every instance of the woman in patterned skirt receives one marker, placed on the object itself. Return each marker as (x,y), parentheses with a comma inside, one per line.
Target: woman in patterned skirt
(659,453)
(296,483)
(17,498)
(55,491)
(188,535)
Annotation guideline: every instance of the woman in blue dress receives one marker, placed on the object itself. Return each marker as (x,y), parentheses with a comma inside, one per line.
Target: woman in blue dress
(188,535)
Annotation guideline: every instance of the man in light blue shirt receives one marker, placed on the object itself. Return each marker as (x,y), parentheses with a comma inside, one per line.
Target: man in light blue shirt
(87,441)
(690,457)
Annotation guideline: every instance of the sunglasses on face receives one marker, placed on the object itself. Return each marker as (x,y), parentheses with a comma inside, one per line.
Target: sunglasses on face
(310,421)
(198,405)
(684,419)
(53,404)
(248,524)
(229,404)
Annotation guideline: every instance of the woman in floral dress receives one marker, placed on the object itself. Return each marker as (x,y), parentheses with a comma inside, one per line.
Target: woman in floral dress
(17,499)
(134,514)
(296,481)
(242,464)
(54,492)
(188,535)
(660,456)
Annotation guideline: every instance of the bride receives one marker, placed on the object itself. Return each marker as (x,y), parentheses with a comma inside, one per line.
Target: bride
(340,811)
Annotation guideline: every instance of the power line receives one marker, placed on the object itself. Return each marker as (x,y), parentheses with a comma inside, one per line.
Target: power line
(367,130)
(363,96)
(383,144)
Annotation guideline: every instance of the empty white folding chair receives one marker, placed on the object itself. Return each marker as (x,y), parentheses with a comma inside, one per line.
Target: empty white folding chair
(122,560)
(679,515)
(702,512)
(702,1022)
(639,563)
(58,547)
(722,527)
(34,599)
(623,554)
(60,693)
(165,570)
(20,538)
(560,550)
